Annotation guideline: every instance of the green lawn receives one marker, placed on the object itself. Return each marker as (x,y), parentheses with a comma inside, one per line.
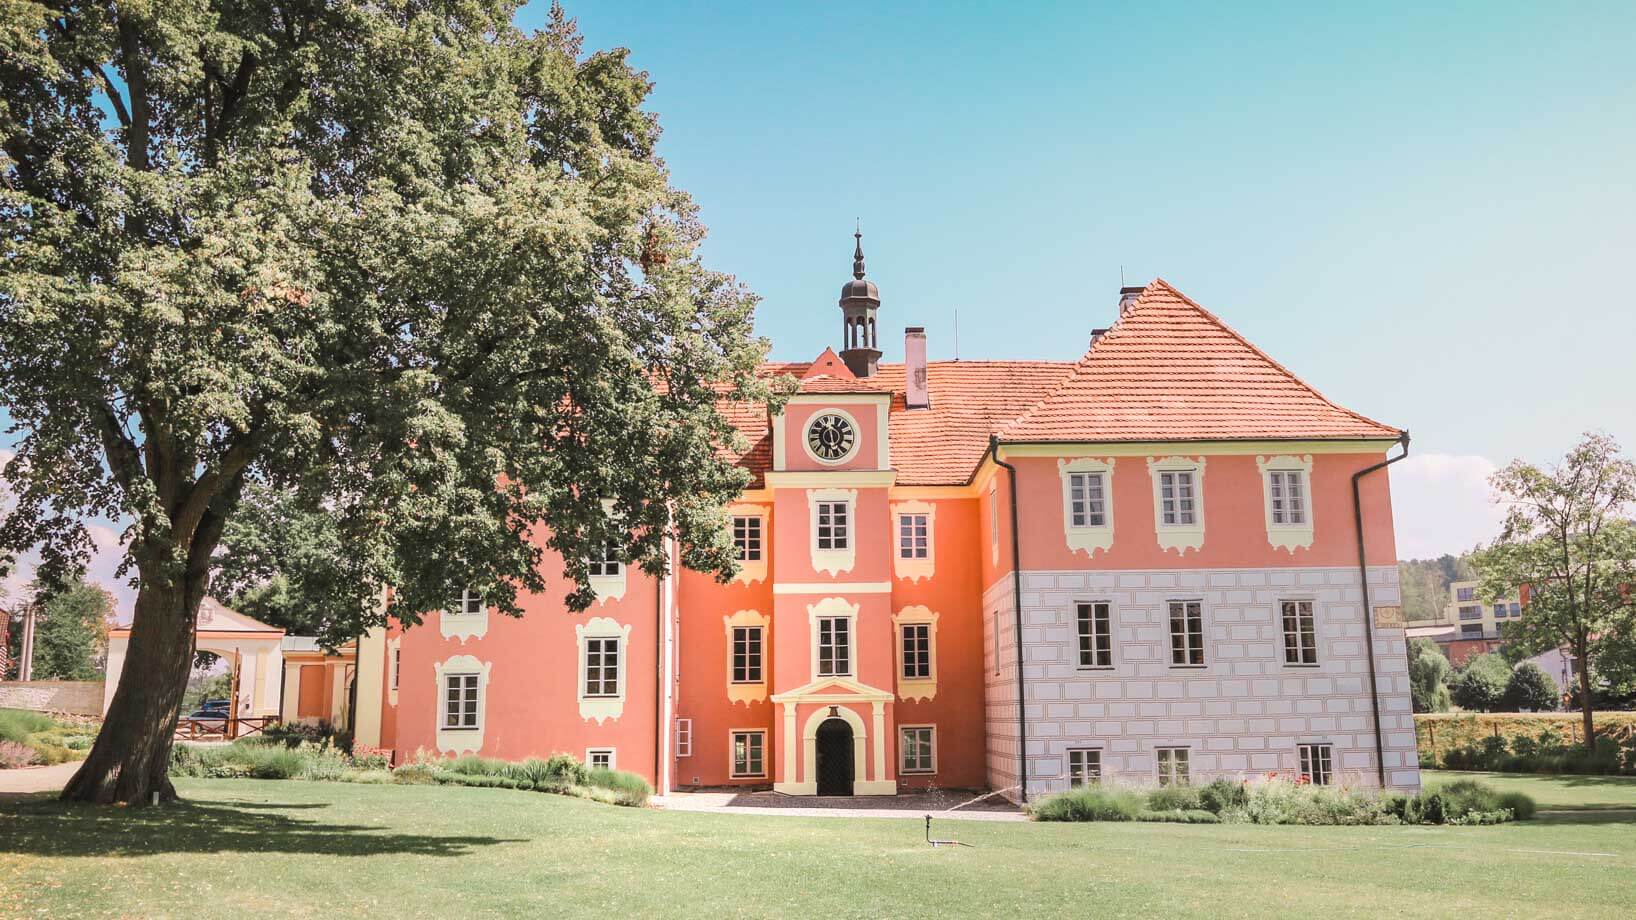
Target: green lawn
(248,847)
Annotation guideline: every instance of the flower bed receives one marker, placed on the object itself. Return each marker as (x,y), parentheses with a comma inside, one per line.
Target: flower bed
(32,738)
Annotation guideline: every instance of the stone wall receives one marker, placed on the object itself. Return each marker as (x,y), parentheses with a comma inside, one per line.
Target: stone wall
(81,697)
(1245,710)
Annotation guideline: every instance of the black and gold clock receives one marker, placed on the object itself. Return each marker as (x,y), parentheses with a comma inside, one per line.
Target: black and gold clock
(830,436)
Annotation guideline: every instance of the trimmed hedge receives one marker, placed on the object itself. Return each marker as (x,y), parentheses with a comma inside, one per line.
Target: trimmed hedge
(1283,802)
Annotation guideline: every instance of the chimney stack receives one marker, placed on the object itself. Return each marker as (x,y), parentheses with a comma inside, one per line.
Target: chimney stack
(1127,297)
(915,393)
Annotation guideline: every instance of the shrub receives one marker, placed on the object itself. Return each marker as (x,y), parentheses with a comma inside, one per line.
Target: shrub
(17,724)
(15,754)
(1180,816)
(567,769)
(273,763)
(1090,803)
(1467,801)
(1222,794)
(1530,689)
(1174,798)
(1481,683)
(414,774)
(473,765)
(1428,677)
(628,788)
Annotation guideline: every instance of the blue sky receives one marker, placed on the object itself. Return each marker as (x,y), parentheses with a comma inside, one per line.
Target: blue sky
(1425,212)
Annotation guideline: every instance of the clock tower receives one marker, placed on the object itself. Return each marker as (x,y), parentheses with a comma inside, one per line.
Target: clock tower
(860,300)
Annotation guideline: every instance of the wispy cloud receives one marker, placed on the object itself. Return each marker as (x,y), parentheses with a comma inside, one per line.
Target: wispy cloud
(1442,504)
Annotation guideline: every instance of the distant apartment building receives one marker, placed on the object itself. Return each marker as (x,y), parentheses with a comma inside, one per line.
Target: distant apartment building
(1467,626)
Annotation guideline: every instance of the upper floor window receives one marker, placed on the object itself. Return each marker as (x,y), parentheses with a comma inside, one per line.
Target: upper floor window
(747,537)
(746,654)
(609,565)
(601,667)
(914,536)
(1499,611)
(833,530)
(397,666)
(917,651)
(1186,633)
(1465,594)
(834,646)
(1095,623)
(466,616)
(1471,630)
(1286,490)
(466,603)
(1471,612)
(460,702)
(1516,609)
(1300,632)
(1177,504)
(1087,500)
(1316,763)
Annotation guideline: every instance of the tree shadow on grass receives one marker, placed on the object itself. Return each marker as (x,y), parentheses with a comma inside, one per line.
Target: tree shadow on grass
(39,825)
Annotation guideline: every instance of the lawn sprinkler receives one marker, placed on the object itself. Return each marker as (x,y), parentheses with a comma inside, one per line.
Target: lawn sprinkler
(941,843)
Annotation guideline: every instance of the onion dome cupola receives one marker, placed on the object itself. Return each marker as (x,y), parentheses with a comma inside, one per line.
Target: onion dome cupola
(860,300)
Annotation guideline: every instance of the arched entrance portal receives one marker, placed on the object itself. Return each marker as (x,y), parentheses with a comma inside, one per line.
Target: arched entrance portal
(835,757)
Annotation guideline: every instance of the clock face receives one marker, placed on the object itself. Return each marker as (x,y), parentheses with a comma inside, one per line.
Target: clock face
(830,436)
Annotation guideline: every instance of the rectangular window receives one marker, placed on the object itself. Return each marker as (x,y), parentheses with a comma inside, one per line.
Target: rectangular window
(459,702)
(1084,767)
(832,525)
(466,603)
(1471,630)
(915,754)
(834,646)
(609,564)
(601,667)
(1471,612)
(914,536)
(1516,609)
(1315,763)
(1465,594)
(1285,491)
(397,666)
(746,654)
(747,538)
(599,758)
(684,737)
(1087,502)
(917,651)
(1187,633)
(1173,767)
(1176,498)
(749,753)
(1499,611)
(1300,632)
(1095,635)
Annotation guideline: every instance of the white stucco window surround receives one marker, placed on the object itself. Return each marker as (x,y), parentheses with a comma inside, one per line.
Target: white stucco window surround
(748,691)
(595,702)
(913,566)
(1178,502)
(834,608)
(840,550)
(915,682)
(463,738)
(608,574)
(1286,487)
(1087,503)
(466,617)
(754,568)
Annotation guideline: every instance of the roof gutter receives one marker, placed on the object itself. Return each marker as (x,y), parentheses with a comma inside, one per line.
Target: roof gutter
(1368,612)
(1016,604)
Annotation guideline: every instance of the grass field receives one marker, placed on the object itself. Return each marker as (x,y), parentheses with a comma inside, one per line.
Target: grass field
(266,847)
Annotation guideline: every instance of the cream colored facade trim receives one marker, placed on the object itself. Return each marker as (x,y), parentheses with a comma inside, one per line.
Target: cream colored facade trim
(824,609)
(920,688)
(914,569)
(462,625)
(1288,536)
(457,741)
(752,570)
(838,692)
(840,479)
(602,708)
(833,561)
(746,693)
(1213,448)
(609,587)
(1179,537)
(828,587)
(857,437)
(394,664)
(1087,539)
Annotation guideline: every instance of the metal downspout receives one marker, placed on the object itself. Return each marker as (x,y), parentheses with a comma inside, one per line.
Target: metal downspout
(1368,613)
(1016,603)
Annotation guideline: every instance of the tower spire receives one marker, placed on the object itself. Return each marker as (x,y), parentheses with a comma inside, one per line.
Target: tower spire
(857,253)
(859,301)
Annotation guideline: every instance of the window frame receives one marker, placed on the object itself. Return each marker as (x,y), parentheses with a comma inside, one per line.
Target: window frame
(838,542)
(1086,643)
(611,754)
(1089,757)
(397,666)
(1301,649)
(914,547)
(1095,513)
(1178,770)
(609,566)
(471,698)
(760,750)
(1188,633)
(746,542)
(760,652)
(683,742)
(1287,497)
(847,623)
(923,650)
(1178,478)
(931,750)
(1319,754)
(600,642)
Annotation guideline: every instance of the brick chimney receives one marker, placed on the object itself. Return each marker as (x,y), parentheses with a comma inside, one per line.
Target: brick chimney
(1127,297)
(915,393)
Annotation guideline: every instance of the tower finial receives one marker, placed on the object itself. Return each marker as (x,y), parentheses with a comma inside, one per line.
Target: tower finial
(857,253)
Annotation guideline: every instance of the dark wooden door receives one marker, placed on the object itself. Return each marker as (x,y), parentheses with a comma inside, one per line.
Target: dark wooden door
(834,758)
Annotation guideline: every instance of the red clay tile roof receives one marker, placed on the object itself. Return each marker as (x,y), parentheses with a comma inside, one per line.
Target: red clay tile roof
(1169,370)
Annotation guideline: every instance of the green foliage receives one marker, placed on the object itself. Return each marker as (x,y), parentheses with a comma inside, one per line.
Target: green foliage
(1182,816)
(628,788)
(1480,685)
(1221,794)
(18,724)
(71,629)
(1090,803)
(211,687)
(1548,753)
(1429,673)
(1283,802)
(47,740)
(1425,584)
(1467,802)
(1174,798)
(1530,689)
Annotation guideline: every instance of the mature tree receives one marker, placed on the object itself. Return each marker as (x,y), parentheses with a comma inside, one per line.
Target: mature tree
(1569,544)
(1429,674)
(1530,689)
(70,629)
(399,260)
(281,562)
(1480,685)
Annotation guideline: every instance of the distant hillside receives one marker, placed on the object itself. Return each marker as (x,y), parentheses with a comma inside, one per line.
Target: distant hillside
(1426,584)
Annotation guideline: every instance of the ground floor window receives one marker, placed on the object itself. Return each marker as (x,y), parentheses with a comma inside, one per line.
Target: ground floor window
(749,753)
(1084,767)
(917,749)
(684,737)
(1173,767)
(460,701)
(599,758)
(1316,760)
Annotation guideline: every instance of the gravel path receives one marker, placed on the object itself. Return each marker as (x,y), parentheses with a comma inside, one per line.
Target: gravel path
(915,806)
(37,779)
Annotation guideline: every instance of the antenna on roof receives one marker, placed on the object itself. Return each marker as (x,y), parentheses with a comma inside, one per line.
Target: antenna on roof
(956,333)
(1121,276)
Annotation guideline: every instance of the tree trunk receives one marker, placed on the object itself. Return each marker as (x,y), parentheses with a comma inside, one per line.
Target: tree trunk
(1586,704)
(130,761)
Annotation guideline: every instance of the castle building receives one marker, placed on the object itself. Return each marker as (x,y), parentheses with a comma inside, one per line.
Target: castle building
(1167,561)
